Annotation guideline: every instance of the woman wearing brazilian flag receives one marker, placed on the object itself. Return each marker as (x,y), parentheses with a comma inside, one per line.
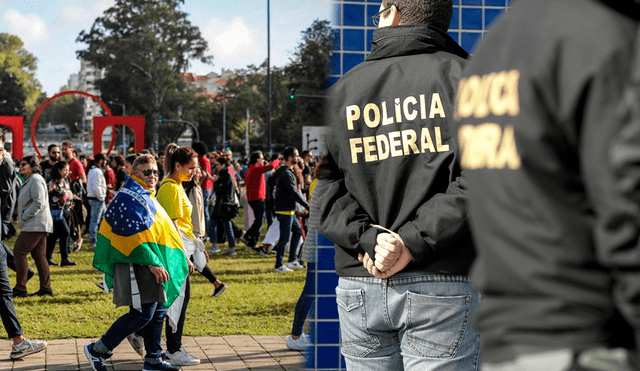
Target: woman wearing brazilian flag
(140,251)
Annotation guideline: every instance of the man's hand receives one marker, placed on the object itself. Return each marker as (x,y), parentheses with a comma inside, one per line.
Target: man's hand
(405,258)
(388,250)
(160,273)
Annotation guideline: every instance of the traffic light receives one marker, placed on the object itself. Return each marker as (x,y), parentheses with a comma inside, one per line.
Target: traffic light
(159,121)
(292,93)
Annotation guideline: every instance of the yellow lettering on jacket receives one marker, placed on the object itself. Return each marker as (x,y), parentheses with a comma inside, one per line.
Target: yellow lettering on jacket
(494,93)
(396,144)
(488,146)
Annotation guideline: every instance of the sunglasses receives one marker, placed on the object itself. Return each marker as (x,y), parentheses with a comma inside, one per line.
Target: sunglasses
(147,172)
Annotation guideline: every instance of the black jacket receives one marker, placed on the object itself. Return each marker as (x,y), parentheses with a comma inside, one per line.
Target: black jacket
(286,195)
(392,136)
(225,193)
(537,106)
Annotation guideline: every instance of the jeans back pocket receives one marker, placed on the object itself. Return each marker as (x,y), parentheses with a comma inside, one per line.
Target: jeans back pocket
(355,339)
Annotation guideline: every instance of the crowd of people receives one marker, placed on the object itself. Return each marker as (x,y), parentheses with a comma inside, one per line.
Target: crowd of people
(181,199)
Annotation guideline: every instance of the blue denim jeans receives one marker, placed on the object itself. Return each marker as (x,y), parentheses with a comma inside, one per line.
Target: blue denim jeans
(289,228)
(149,320)
(253,234)
(97,212)
(408,322)
(7,309)
(206,196)
(304,301)
(228,227)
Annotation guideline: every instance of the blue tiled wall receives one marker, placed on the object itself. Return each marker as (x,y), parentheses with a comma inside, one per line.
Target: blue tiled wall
(353,32)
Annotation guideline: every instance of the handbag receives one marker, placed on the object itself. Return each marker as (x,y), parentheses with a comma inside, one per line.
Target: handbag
(57,214)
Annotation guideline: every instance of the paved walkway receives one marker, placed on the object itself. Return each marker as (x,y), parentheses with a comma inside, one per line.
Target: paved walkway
(228,353)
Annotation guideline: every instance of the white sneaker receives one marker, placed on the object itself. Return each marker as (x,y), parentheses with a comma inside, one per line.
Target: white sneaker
(182,358)
(213,249)
(27,347)
(229,252)
(137,343)
(302,343)
(283,268)
(295,265)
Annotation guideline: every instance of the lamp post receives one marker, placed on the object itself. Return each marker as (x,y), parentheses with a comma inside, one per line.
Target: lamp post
(269,74)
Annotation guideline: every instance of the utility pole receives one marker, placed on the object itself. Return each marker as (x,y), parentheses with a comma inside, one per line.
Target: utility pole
(269,74)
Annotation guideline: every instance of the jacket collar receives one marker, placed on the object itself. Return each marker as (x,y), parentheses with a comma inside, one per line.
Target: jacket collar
(402,40)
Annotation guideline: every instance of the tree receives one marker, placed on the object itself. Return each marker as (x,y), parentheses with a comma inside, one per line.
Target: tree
(18,68)
(306,73)
(144,46)
(12,95)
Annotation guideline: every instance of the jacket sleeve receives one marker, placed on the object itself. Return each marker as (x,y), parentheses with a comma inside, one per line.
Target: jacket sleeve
(438,223)
(38,192)
(291,189)
(343,220)
(610,156)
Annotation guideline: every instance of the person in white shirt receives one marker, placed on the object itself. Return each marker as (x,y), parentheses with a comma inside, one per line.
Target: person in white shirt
(96,194)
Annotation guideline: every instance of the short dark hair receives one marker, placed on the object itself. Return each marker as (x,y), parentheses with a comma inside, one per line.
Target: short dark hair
(288,152)
(436,13)
(99,156)
(51,146)
(253,159)
(34,162)
(119,159)
(200,148)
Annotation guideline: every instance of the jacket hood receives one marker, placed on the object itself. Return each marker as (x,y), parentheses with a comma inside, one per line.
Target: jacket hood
(412,39)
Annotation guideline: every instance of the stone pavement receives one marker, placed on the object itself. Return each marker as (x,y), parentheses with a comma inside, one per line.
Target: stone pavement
(226,353)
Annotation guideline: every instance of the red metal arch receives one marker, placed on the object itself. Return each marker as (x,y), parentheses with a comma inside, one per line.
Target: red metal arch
(35,117)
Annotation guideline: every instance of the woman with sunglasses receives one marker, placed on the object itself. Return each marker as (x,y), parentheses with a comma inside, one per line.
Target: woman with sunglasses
(34,217)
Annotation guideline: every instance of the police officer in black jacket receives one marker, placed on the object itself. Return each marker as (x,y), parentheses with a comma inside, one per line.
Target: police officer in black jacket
(401,206)
(537,107)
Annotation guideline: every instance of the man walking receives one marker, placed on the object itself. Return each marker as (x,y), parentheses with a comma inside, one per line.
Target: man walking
(96,194)
(401,206)
(54,156)
(286,197)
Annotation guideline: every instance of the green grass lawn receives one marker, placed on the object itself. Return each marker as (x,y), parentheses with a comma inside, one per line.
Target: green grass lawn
(257,302)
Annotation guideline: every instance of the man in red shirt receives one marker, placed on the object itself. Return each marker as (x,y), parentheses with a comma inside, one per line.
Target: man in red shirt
(256,194)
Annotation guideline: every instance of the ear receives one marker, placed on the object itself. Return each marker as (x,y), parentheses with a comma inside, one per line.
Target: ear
(395,16)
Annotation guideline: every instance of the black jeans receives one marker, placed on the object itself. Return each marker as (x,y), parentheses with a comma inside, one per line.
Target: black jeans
(60,232)
(7,309)
(253,234)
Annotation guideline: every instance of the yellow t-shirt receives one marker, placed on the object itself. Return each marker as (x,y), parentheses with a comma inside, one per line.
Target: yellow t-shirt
(174,200)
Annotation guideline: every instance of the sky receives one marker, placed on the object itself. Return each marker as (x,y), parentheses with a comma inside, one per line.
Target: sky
(236,31)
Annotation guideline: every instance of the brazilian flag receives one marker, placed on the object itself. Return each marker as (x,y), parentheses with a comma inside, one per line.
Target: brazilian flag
(137,230)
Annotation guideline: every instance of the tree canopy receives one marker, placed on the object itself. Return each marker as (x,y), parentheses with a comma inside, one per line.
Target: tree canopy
(144,47)
(20,88)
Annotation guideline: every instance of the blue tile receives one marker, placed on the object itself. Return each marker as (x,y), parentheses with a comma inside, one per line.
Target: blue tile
(469,40)
(352,40)
(335,39)
(310,358)
(328,357)
(353,15)
(455,19)
(351,60)
(454,35)
(510,2)
(471,2)
(329,81)
(491,15)
(494,2)
(455,2)
(334,64)
(328,332)
(327,307)
(371,11)
(326,261)
(323,241)
(336,15)
(327,283)
(343,363)
(369,39)
(471,19)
